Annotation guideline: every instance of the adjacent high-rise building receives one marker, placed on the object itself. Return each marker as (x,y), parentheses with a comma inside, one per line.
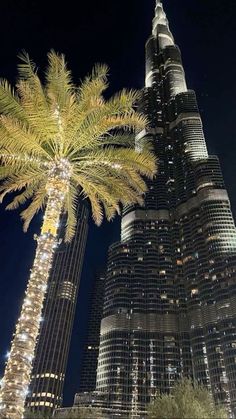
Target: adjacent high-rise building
(170,292)
(91,345)
(52,349)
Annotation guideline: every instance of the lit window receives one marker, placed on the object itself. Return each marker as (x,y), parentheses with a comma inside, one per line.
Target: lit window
(67,291)
(46,395)
(47,375)
(162,272)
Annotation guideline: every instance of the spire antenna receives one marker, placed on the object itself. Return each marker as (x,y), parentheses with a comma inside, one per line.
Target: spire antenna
(160,27)
(160,16)
(159,3)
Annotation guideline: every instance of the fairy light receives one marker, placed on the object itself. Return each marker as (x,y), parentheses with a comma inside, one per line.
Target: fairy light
(16,380)
(23,158)
(135,392)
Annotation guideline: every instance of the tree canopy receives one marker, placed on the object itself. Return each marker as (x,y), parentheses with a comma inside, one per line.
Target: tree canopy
(79,413)
(187,400)
(55,129)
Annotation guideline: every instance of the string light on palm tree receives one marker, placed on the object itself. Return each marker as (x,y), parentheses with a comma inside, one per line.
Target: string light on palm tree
(61,143)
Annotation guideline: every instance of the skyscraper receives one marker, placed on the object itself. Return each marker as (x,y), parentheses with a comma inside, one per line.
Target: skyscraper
(57,320)
(170,293)
(91,345)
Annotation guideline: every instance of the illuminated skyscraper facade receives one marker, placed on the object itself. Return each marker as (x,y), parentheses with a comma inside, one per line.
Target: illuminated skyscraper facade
(53,345)
(170,293)
(91,345)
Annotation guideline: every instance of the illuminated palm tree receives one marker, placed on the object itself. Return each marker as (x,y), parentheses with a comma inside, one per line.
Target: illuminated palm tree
(58,143)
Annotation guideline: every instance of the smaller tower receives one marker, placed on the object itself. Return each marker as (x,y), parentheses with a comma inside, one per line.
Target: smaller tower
(52,349)
(91,346)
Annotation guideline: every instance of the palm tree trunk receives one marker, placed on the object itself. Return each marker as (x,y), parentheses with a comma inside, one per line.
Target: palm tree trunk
(16,379)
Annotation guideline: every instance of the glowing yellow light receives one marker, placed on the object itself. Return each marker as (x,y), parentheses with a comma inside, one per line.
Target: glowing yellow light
(14,385)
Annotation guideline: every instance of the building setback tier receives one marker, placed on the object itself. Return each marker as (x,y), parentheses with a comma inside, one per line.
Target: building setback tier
(170,290)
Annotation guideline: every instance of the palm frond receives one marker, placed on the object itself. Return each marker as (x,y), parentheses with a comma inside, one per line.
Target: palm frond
(34,99)
(36,110)
(15,163)
(59,81)
(6,171)
(108,190)
(20,180)
(26,67)
(71,207)
(96,206)
(18,138)
(38,203)
(9,101)
(92,88)
(88,100)
(21,199)
(120,159)
(123,102)
(116,139)
(99,124)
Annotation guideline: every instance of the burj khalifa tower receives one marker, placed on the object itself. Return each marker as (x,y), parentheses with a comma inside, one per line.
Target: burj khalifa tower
(170,291)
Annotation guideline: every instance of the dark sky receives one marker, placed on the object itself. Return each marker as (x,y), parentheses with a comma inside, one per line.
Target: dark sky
(114,32)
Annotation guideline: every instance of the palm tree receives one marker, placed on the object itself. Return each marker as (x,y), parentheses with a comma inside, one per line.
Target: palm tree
(58,143)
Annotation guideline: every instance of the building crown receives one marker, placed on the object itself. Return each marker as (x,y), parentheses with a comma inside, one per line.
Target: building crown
(161,25)
(160,16)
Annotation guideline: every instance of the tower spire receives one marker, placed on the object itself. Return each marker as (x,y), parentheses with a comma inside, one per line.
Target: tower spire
(160,16)
(161,25)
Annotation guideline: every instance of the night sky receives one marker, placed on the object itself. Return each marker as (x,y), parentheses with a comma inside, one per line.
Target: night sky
(114,32)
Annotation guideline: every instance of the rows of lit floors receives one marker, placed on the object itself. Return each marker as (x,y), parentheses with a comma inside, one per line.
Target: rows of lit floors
(103,410)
